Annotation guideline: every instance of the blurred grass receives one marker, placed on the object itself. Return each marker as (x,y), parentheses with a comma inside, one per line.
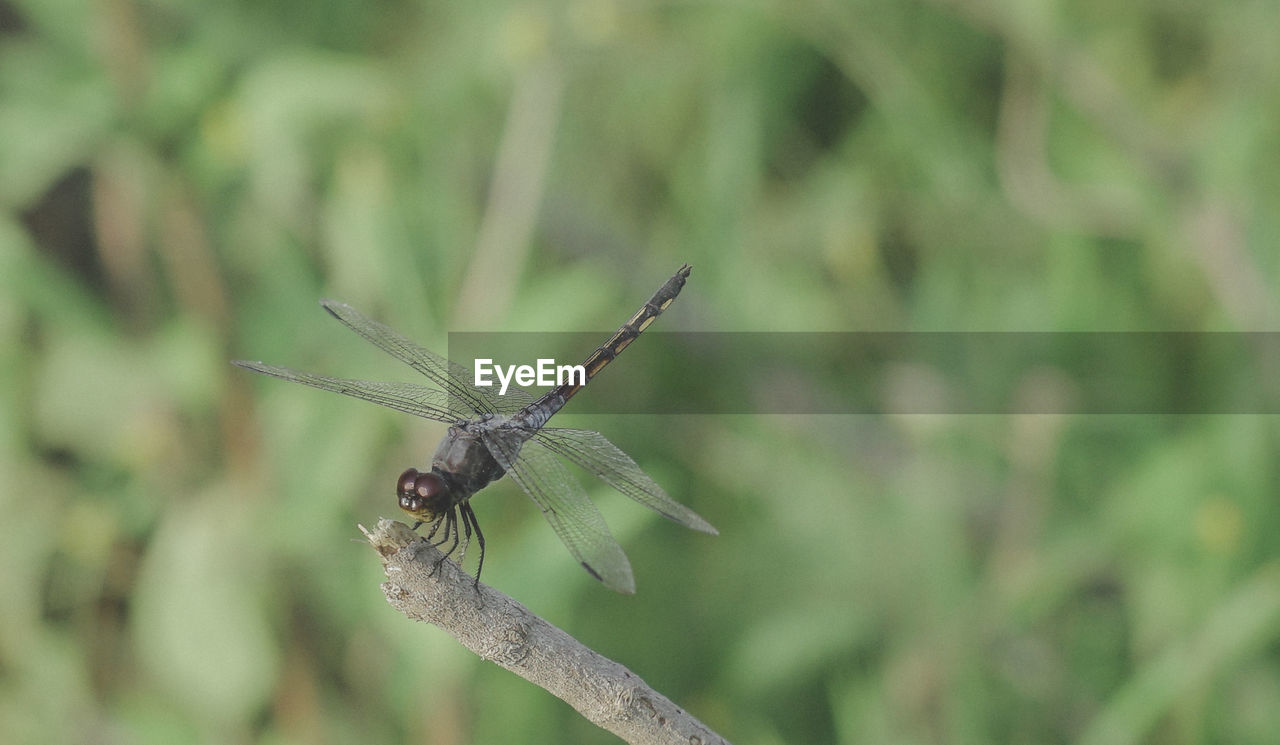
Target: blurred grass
(180,182)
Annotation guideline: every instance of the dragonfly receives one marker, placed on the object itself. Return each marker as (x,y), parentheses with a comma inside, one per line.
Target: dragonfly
(492,435)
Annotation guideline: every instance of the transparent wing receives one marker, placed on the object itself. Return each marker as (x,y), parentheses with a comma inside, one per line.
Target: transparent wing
(565,505)
(451,377)
(407,397)
(597,455)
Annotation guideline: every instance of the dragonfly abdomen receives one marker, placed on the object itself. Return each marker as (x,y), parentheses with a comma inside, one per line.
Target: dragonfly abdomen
(537,413)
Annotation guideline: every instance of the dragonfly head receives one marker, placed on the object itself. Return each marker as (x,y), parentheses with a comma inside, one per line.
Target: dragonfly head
(423,495)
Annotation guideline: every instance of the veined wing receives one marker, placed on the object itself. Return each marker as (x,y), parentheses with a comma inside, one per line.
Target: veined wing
(565,505)
(410,398)
(594,453)
(451,377)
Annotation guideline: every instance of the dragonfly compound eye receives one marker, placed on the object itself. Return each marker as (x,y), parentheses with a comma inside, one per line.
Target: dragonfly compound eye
(404,486)
(421,494)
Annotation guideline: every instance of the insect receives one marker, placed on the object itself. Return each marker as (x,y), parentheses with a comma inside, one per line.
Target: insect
(493,435)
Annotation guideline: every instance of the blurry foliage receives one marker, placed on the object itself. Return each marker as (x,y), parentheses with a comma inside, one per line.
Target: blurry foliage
(181,181)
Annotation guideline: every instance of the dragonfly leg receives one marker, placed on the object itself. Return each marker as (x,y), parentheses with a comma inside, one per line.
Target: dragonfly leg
(469,517)
(450,529)
(449,521)
(466,537)
(435,526)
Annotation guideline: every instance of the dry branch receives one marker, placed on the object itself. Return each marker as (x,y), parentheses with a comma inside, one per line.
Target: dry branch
(426,587)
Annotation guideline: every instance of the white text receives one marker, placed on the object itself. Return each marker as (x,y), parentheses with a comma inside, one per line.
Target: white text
(545,373)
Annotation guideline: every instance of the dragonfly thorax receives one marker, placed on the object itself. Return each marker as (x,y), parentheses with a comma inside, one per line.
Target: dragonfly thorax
(463,459)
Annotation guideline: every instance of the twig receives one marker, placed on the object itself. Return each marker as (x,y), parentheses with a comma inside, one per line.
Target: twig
(426,587)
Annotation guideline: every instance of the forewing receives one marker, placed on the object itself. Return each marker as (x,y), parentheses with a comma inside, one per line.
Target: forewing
(597,455)
(407,397)
(451,377)
(565,505)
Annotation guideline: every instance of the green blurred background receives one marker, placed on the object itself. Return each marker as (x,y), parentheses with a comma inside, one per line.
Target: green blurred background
(181,181)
